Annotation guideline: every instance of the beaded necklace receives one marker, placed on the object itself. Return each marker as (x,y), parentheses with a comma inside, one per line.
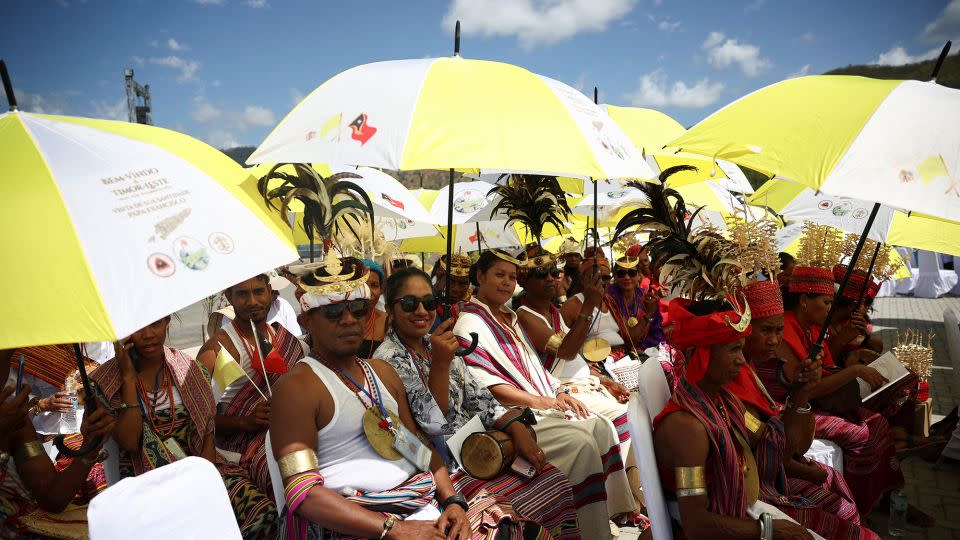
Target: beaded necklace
(153,400)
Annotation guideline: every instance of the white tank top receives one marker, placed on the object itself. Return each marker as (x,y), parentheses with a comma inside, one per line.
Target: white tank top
(346,457)
(244,361)
(565,370)
(605,328)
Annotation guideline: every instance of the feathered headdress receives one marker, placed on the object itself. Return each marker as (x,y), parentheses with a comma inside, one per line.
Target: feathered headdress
(696,264)
(335,211)
(820,249)
(755,248)
(534,201)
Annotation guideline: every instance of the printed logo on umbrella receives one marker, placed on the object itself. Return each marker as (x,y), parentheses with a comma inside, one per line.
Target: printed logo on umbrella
(469,201)
(361,130)
(391,201)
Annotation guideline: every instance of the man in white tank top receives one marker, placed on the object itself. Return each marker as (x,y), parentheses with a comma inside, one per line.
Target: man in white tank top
(330,468)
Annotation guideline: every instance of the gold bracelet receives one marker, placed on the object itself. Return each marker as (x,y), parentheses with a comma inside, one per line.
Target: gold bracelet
(690,478)
(553,344)
(752,422)
(28,451)
(298,462)
(695,492)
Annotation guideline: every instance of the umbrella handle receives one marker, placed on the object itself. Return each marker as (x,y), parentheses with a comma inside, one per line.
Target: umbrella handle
(782,378)
(82,451)
(90,405)
(464,351)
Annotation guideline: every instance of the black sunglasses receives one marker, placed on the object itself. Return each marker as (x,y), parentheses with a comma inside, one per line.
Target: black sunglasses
(621,272)
(410,303)
(542,273)
(358,308)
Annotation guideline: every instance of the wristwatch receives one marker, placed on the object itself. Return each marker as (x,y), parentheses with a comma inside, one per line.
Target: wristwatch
(388,525)
(458,500)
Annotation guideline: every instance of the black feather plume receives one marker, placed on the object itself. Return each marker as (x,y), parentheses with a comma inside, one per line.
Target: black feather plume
(534,201)
(698,265)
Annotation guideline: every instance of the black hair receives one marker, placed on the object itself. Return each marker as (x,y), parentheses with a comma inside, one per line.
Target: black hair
(785,259)
(398,279)
(262,277)
(792,299)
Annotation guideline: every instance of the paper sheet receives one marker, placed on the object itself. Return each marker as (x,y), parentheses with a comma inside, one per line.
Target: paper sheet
(455,442)
(892,370)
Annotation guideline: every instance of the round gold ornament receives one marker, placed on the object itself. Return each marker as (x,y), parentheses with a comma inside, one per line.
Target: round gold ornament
(380,438)
(595,350)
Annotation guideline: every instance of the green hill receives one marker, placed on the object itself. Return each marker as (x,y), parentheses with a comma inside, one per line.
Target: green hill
(949,72)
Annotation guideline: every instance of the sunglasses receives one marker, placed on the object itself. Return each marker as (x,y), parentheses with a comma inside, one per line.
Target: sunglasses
(620,273)
(334,312)
(542,273)
(410,303)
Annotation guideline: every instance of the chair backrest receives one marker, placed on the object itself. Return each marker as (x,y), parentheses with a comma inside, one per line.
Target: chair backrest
(275,479)
(951,327)
(154,506)
(645,404)
(929,262)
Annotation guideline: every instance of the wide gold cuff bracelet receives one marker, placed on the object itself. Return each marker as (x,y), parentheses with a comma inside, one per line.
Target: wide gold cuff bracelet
(297,462)
(752,422)
(28,450)
(553,344)
(690,478)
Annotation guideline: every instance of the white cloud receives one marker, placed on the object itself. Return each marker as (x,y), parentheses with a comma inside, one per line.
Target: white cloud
(204,111)
(209,2)
(51,103)
(188,68)
(254,115)
(296,96)
(807,37)
(222,138)
(754,6)
(138,60)
(154,43)
(175,45)
(723,52)
(215,83)
(667,25)
(946,25)
(535,22)
(802,72)
(654,90)
(898,56)
(257,4)
(111,111)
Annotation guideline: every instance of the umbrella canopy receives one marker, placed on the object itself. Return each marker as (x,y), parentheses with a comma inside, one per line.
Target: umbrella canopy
(111,226)
(650,130)
(442,113)
(886,141)
(798,203)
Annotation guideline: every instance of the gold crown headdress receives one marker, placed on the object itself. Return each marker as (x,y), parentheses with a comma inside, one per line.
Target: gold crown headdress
(915,354)
(335,212)
(754,245)
(884,267)
(459,266)
(821,246)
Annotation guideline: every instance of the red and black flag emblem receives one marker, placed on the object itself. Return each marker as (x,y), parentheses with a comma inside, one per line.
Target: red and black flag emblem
(361,130)
(391,201)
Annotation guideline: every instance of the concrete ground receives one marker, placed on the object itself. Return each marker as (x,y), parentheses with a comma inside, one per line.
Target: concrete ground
(932,489)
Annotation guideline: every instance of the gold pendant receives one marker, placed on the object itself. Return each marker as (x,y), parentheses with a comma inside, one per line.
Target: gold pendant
(379,438)
(632,321)
(595,350)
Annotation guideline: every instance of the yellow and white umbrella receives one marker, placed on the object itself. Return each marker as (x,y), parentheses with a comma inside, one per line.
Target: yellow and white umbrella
(109,226)
(796,203)
(442,113)
(887,141)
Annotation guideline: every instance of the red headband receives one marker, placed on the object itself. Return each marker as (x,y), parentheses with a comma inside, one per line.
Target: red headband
(701,331)
(856,282)
(811,280)
(764,298)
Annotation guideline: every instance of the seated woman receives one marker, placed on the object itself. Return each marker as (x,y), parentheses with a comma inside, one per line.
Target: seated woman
(165,411)
(625,317)
(376,325)
(584,447)
(31,488)
(850,334)
(443,396)
(701,441)
(812,493)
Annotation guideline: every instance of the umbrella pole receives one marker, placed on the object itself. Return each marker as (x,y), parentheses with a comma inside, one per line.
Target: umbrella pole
(818,346)
(939,64)
(596,229)
(873,260)
(89,399)
(479,245)
(446,283)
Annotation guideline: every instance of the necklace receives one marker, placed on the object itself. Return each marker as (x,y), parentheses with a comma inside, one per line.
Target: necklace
(153,400)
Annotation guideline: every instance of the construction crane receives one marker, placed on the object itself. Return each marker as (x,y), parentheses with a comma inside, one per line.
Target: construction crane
(137,114)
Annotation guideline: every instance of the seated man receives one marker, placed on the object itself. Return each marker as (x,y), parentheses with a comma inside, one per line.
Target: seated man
(333,426)
(459,276)
(242,412)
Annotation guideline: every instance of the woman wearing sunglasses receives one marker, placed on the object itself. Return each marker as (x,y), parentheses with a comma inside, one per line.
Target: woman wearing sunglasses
(443,397)
(583,446)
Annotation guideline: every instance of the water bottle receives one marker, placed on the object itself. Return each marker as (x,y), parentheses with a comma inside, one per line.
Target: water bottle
(68,420)
(898,513)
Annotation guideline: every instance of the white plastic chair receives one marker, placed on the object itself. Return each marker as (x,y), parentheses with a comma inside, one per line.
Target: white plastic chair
(956,270)
(153,505)
(932,280)
(645,404)
(951,329)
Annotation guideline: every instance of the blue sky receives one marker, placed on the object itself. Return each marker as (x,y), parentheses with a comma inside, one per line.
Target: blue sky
(226,71)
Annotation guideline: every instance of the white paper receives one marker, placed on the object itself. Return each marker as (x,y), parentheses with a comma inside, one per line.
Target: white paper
(892,370)
(455,442)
